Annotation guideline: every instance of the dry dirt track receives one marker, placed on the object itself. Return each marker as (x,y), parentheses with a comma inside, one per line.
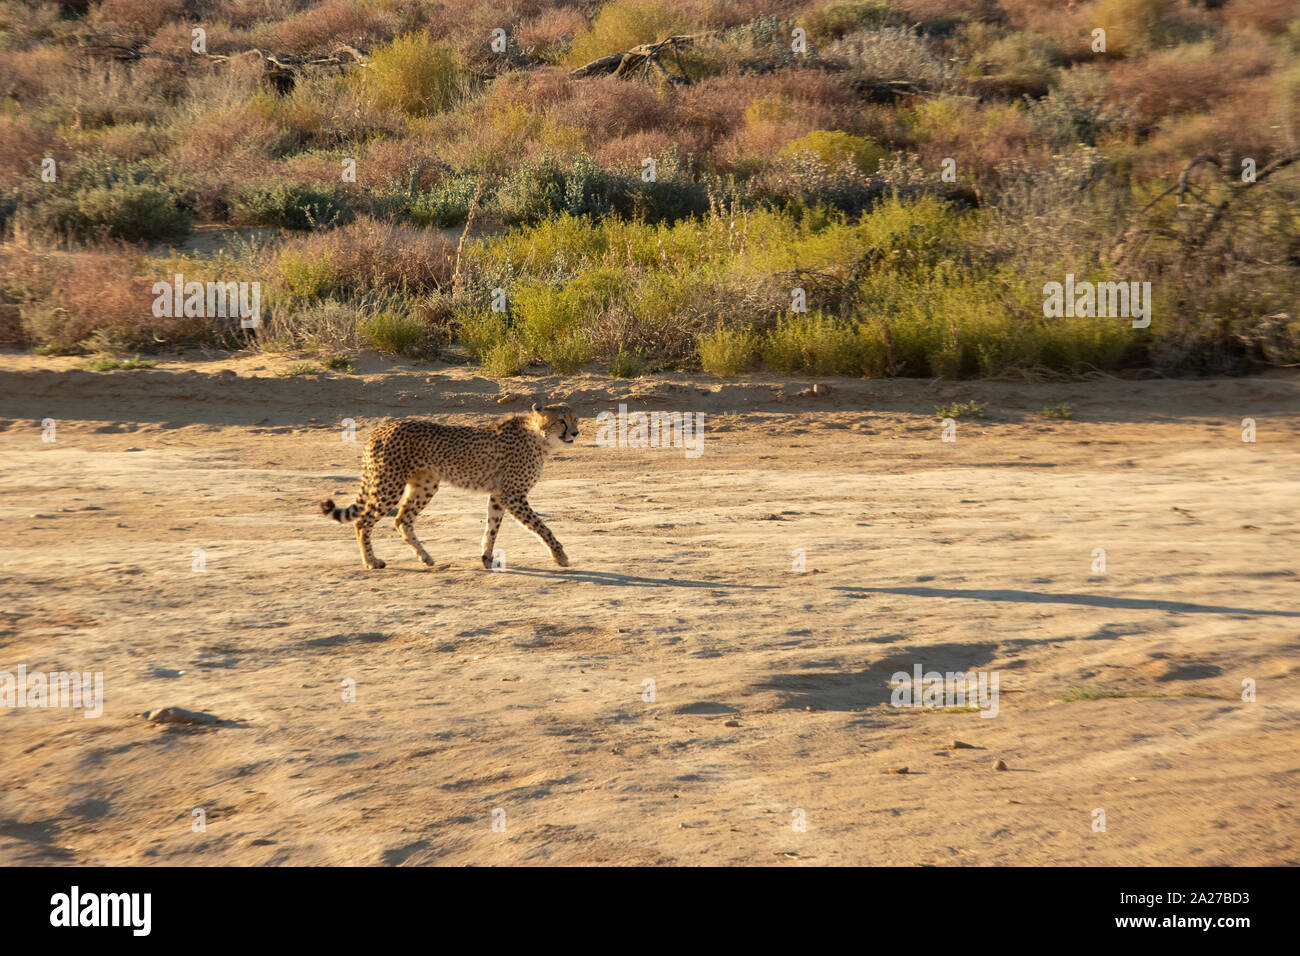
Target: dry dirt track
(522,690)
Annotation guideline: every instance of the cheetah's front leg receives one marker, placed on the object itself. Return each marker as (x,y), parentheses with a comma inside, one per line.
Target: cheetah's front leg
(494,515)
(522,512)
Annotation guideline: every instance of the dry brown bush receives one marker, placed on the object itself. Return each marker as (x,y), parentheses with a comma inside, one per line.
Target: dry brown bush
(393,160)
(321,27)
(132,141)
(630,150)
(980,137)
(24,143)
(547,35)
(219,154)
(1266,16)
(138,19)
(942,13)
(720,14)
(246,13)
(1185,79)
(229,138)
(91,300)
(1249,124)
(99,94)
(1070,22)
(369,255)
(539,89)
(28,75)
(606,107)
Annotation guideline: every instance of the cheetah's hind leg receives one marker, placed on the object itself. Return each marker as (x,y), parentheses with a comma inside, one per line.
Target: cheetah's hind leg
(419,490)
(376,507)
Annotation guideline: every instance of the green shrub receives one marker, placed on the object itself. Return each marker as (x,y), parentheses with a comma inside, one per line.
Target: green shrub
(1062,411)
(107,363)
(550,318)
(821,345)
(1020,63)
(623,24)
(446,204)
(104,202)
(970,409)
(307,277)
(546,187)
(842,17)
(834,147)
(300,369)
(729,350)
(533,191)
(1134,27)
(416,75)
(503,360)
(397,333)
(567,353)
(290,206)
(481,332)
(804,181)
(625,364)
(337,362)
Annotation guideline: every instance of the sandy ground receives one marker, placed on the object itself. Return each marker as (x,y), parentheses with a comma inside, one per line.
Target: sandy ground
(523,690)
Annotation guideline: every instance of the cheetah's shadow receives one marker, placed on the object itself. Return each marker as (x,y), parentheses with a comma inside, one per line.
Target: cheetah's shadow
(614,579)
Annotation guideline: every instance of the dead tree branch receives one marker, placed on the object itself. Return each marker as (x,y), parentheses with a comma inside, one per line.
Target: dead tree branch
(641,58)
(1182,189)
(280,69)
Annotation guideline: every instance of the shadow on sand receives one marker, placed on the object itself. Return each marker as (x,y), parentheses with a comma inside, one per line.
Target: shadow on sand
(1041,597)
(610,579)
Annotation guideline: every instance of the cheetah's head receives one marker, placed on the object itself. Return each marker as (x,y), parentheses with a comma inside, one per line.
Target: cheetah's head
(557,423)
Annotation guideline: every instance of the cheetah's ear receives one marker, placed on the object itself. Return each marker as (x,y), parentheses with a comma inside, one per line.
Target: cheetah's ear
(535,408)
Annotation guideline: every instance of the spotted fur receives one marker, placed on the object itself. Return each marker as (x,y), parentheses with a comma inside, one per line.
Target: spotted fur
(407,459)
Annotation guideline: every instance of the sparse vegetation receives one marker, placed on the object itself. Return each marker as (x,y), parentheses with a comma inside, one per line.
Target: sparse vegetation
(1062,411)
(969,409)
(109,363)
(726,351)
(299,369)
(397,333)
(627,365)
(655,220)
(337,363)
(1106,693)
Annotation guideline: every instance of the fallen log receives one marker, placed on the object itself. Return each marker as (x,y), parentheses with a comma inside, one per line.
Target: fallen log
(642,58)
(280,69)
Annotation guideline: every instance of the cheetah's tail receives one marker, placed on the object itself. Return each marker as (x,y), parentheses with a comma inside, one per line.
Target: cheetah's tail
(343,515)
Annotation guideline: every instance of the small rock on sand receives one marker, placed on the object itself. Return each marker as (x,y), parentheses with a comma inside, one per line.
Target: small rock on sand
(1000,765)
(961,745)
(816,391)
(179,715)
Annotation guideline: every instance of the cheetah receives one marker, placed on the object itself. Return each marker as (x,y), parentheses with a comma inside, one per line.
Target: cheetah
(407,459)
